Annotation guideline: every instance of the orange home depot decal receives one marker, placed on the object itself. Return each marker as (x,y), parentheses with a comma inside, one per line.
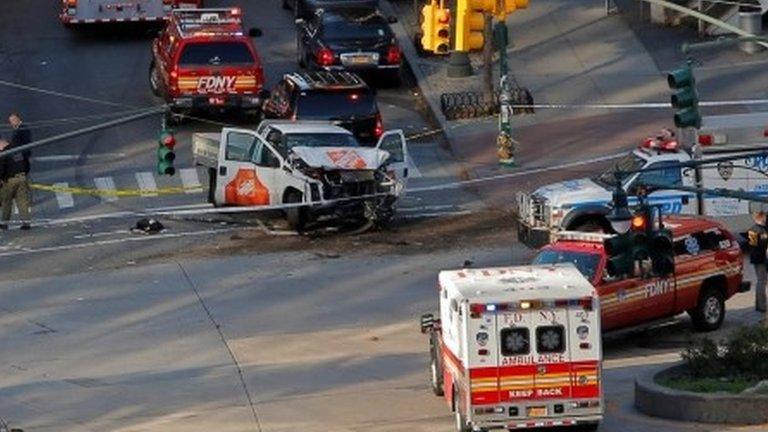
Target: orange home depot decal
(246,189)
(348,159)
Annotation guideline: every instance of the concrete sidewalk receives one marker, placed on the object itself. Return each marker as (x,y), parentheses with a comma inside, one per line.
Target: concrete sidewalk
(565,52)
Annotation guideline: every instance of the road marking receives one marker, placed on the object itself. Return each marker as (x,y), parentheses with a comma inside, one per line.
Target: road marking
(65,199)
(74,157)
(433,215)
(190,180)
(102,234)
(427,207)
(138,238)
(106,184)
(147,184)
(414,171)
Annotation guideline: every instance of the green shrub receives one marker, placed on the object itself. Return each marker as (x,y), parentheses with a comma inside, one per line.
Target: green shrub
(703,358)
(746,352)
(743,354)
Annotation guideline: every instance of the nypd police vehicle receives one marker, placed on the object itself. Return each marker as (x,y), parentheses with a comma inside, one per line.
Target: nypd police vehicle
(582,204)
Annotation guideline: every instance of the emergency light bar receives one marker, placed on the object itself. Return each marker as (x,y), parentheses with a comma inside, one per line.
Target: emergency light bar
(581,236)
(197,17)
(478,308)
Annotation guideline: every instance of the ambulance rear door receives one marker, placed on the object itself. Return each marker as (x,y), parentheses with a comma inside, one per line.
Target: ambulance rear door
(482,345)
(584,344)
(549,334)
(515,354)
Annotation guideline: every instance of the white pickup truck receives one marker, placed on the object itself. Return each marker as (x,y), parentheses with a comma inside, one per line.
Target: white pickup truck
(305,162)
(582,204)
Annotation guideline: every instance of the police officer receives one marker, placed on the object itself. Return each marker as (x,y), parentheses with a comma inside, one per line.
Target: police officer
(14,170)
(757,237)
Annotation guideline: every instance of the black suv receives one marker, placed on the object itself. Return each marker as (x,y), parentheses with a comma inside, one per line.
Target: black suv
(305,8)
(341,97)
(351,39)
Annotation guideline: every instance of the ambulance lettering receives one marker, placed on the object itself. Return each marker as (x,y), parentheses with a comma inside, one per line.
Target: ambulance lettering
(520,394)
(216,84)
(517,360)
(549,392)
(550,358)
(657,288)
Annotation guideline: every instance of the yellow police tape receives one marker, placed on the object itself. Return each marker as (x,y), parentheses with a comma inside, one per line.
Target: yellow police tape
(114,192)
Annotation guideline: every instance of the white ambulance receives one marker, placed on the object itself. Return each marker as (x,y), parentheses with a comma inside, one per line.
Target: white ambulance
(517,348)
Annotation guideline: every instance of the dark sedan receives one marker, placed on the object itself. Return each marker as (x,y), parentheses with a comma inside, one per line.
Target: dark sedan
(355,40)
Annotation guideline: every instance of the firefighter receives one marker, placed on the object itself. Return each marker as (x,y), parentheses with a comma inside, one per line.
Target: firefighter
(757,237)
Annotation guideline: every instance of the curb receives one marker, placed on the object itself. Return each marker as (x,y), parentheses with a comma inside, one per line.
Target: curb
(723,408)
(409,51)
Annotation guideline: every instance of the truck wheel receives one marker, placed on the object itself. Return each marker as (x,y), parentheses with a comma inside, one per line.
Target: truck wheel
(154,81)
(710,311)
(296,216)
(435,366)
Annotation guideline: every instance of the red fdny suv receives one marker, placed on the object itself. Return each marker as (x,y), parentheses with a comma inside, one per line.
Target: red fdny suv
(708,271)
(203,60)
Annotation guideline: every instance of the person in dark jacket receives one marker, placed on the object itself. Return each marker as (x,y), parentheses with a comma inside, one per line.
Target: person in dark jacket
(14,172)
(757,238)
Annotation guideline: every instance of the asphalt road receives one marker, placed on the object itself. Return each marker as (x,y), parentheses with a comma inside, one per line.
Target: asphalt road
(271,342)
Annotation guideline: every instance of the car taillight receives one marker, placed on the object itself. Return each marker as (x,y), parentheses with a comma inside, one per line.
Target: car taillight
(173,82)
(325,57)
(378,131)
(394,56)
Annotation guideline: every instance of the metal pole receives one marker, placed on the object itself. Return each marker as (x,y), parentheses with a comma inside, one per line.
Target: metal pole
(83,131)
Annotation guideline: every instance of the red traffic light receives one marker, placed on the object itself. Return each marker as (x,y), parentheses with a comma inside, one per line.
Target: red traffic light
(443,16)
(168,140)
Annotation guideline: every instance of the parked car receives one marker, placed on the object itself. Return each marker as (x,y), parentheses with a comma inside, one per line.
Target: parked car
(340,97)
(352,39)
(305,8)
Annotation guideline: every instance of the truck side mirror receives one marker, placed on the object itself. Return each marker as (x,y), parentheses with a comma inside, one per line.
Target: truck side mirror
(254,32)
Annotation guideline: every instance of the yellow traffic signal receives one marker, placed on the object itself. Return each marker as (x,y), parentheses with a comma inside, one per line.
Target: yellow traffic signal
(470,23)
(435,28)
(511,6)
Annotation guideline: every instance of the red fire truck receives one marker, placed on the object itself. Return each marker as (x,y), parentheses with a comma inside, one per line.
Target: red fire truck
(204,60)
(100,11)
(708,271)
(517,347)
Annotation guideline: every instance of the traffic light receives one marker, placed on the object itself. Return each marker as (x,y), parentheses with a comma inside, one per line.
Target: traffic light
(165,154)
(436,28)
(470,23)
(620,259)
(511,6)
(684,99)
(640,229)
(663,252)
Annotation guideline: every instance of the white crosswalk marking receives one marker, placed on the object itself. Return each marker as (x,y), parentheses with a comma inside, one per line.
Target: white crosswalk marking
(147,184)
(106,184)
(190,180)
(65,199)
(414,171)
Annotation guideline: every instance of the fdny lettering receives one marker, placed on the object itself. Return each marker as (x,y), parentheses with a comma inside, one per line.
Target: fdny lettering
(520,393)
(657,288)
(517,360)
(550,358)
(216,84)
(549,392)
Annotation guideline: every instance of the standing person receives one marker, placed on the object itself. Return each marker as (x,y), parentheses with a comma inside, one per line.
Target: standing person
(15,170)
(757,236)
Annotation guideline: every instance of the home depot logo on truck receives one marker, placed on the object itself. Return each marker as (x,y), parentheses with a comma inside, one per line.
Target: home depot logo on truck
(517,347)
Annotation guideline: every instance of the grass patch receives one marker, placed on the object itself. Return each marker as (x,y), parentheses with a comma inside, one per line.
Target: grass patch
(707,385)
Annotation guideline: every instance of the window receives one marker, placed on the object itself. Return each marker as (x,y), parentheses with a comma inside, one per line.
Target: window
(702,242)
(215,53)
(240,146)
(393,144)
(666,173)
(550,339)
(629,162)
(515,341)
(326,105)
(320,140)
(584,261)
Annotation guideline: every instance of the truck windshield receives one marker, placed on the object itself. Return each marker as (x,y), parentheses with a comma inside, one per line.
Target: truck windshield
(586,262)
(320,140)
(629,162)
(215,53)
